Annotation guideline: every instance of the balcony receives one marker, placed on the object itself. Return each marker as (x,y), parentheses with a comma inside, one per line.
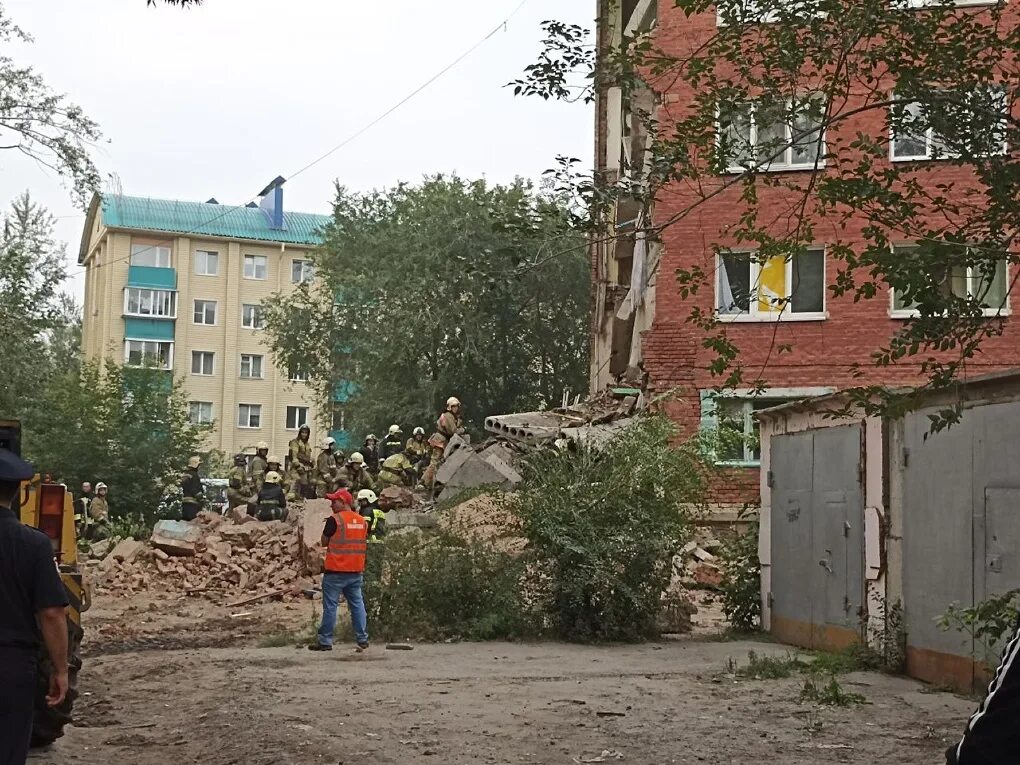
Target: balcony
(152,277)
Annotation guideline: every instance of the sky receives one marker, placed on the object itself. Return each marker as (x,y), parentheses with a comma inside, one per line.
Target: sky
(218,100)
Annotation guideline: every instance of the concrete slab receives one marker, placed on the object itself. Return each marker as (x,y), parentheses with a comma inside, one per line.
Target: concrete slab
(452,464)
(313,518)
(176,538)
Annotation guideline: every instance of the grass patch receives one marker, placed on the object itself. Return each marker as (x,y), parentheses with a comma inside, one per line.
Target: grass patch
(829,693)
(278,640)
(768,667)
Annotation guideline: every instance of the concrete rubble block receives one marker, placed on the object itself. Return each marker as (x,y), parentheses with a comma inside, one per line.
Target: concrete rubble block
(456,444)
(239,514)
(408,519)
(708,574)
(313,518)
(101,549)
(243,535)
(512,476)
(395,496)
(501,451)
(123,552)
(450,466)
(477,472)
(176,538)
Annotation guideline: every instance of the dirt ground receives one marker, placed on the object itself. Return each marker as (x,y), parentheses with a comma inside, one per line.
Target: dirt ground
(185,682)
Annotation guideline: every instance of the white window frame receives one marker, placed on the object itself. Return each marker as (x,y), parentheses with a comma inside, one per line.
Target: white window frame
(256,362)
(911,313)
(251,409)
(127,351)
(154,292)
(957,3)
(215,254)
(255,261)
(783,165)
(200,420)
(205,312)
(258,319)
(161,251)
(299,376)
(307,271)
(300,421)
(202,355)
(754,315)
(929,133)
(710,412)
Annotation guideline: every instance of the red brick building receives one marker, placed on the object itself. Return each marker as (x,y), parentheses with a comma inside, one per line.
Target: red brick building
(641,325)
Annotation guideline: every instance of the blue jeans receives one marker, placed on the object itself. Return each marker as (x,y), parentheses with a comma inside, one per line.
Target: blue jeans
(350,585)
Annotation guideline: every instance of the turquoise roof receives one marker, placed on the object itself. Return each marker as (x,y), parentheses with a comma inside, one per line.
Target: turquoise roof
(201,218)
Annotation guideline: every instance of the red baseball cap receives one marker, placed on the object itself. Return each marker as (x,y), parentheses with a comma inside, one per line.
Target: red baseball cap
(342,495)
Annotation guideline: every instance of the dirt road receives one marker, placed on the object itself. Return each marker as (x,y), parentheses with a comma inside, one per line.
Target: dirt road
(483,703)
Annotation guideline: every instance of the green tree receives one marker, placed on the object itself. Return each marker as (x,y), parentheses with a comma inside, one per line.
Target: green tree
(942,79)
(44,125)
(31,308)
(127,427)
(447,288)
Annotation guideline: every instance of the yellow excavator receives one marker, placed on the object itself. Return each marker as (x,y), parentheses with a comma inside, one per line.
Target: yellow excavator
(49,507)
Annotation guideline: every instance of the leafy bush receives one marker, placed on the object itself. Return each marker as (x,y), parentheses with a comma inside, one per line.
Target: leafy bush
(604,525)
(741,585)
(441,586)
(987,622)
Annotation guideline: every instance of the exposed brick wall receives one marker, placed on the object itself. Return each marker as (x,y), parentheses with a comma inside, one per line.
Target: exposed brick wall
(822,351)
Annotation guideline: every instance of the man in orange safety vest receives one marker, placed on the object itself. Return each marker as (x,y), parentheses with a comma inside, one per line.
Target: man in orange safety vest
(345,537)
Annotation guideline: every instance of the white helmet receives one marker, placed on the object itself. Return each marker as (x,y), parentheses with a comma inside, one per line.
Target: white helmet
(261,445)
(394,429)
(357,458)
(367,494)
(271,460)
(452,401)
(100,485)
(419,432)
(328,441)
(272,477)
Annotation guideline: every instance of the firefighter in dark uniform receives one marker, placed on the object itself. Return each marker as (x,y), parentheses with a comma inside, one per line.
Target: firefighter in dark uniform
(192,492)
(32,610)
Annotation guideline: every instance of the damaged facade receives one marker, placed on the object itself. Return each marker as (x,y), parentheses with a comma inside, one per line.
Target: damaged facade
(641,329)
(872,527)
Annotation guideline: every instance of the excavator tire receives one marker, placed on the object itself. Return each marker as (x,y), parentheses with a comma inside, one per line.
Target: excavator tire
(48,723)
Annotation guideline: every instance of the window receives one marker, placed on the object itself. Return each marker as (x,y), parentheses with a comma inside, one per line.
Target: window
(151,303)
(297,416)
(207,263)
(929,3)
(785,136)
(205,312)
(202,362)
(138,353)
(955,123)
(251,366)
(201,413)
(756,12)
(251,316)
(301,271)
(752,288)
(967,282)
(298,375)
(255,267)
(249,415)
(152,255)
(338,419)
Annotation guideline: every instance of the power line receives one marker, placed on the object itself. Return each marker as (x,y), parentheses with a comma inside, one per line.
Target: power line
(502,25)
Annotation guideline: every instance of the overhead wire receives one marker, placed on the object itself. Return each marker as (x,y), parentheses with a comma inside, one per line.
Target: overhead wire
(197,229)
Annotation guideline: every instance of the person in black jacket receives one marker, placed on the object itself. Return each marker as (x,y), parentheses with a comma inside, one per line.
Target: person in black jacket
(370,451)
(394,443)
(271,504)
(192,492)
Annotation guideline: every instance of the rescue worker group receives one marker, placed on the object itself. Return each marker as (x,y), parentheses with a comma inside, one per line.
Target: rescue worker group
(266,483)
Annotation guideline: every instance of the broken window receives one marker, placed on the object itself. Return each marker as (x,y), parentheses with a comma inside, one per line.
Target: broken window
(772,136)
(769,287)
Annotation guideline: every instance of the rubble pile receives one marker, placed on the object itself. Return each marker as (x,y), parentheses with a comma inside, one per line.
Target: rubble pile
(217,554)
(698,563)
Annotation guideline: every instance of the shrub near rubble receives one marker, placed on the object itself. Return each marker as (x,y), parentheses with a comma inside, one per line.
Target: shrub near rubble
(604,526)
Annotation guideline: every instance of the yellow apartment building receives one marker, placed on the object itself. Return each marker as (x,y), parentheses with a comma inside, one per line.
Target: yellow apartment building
(181,284)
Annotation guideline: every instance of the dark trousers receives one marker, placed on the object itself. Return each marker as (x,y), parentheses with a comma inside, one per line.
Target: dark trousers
(189,511)
(993,733)
(17,699)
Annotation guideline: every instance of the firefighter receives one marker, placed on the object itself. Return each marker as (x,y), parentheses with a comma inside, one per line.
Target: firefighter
(398,470)
(325,469)
(368,506)
(259,466)
(448,425)
(417,447)
(81,510)
(239,490)
(354,476)
(192,492)
(98,526)
(271,504)
(275,463)
(394,443)
(302,465)
(370,451)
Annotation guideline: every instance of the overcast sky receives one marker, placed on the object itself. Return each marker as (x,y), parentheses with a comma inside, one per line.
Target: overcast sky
(220,99)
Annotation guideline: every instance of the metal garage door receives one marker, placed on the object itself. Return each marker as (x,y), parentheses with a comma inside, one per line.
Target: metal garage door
(817,536)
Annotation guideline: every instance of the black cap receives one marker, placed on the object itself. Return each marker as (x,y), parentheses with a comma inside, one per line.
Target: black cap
(13,468)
